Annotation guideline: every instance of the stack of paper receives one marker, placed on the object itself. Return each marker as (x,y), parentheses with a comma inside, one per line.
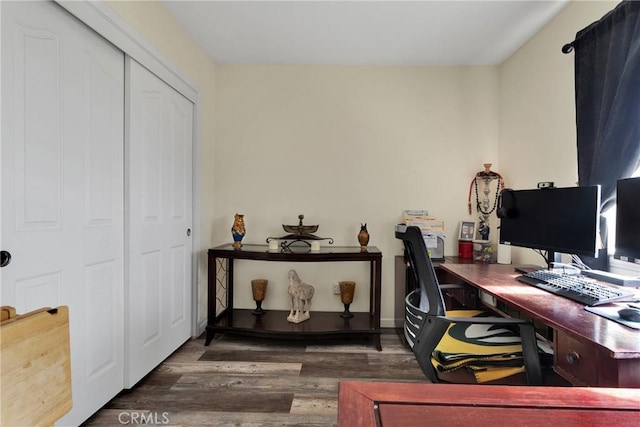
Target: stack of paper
(421,219)
(431,227)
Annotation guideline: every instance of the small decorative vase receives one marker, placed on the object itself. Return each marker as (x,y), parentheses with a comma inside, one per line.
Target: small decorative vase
(238,230)
(363,237)
(258,290)
(347,289)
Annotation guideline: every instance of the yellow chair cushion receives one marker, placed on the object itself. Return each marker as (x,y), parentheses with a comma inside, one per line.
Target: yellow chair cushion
(490,352)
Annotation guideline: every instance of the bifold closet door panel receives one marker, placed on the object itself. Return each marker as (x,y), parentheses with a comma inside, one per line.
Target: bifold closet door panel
(62,177)
(159,204)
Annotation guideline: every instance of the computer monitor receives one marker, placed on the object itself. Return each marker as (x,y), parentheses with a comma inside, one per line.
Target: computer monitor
(563,220)
(628,220)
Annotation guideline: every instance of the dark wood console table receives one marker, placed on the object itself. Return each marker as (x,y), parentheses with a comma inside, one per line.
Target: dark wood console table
(223,318)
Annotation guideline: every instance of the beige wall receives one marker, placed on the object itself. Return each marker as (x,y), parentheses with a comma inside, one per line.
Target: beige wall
(346,145)
(351,144)
(537,107)
(154,23)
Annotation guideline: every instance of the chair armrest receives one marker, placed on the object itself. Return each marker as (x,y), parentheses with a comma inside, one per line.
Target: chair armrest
(454,286)
(485,320)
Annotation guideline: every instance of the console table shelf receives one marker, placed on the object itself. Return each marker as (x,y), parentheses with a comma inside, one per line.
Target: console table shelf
(223,318)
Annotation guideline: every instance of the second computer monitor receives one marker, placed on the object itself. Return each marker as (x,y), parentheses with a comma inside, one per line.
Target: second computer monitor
(564,220)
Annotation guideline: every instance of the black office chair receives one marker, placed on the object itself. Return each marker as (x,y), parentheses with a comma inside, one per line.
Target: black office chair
(465,346)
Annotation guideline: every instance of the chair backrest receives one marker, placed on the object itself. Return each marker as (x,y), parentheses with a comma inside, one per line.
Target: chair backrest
(431,301)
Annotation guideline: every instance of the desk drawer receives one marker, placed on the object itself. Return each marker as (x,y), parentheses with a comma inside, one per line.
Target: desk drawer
(575,361)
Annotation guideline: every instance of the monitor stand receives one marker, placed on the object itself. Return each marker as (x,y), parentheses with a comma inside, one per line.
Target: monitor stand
(551,258)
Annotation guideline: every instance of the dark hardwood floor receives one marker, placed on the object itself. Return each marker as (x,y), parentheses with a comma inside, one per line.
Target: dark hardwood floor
(238,381)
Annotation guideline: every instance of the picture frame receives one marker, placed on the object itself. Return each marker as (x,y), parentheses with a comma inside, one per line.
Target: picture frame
(467,230)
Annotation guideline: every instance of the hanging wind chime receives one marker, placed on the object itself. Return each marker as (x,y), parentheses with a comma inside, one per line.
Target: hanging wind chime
(484,208)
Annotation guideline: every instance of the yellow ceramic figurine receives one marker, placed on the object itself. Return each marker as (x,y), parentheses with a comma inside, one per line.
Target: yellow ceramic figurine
(238,230)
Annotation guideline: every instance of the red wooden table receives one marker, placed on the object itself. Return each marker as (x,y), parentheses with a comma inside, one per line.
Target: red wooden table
(418,404)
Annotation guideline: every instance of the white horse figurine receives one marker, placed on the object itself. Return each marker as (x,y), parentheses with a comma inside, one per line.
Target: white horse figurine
(301,295)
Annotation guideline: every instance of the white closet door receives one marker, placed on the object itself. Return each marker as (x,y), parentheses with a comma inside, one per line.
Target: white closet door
(160,135)
(62,187)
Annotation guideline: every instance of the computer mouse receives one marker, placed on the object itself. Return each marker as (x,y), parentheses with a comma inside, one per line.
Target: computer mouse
(630,314)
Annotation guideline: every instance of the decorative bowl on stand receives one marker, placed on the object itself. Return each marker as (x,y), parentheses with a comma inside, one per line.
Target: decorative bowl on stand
(300,229)
(298,234)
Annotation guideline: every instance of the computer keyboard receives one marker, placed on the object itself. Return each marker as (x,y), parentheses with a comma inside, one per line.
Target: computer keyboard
(578,289)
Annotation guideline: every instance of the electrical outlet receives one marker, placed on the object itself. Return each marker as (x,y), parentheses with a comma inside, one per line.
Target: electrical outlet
(336,289)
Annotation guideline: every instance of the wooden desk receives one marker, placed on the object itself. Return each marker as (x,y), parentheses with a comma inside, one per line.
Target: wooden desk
(223,318)
(589,350)
(411,404)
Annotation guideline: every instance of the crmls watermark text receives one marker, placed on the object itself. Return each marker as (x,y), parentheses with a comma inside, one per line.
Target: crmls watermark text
(134,417)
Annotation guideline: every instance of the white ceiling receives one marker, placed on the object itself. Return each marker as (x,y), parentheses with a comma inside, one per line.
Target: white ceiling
(424,32)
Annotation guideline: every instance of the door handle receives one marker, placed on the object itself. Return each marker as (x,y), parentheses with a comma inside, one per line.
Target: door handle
(188,232)
(5,258)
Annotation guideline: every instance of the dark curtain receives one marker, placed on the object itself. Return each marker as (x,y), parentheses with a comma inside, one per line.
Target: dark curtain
(607,84)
